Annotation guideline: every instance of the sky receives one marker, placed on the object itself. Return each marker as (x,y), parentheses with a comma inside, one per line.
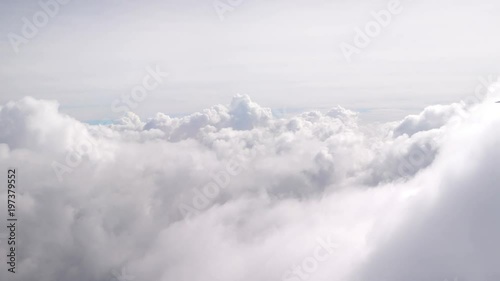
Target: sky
(284,54)
(249,140)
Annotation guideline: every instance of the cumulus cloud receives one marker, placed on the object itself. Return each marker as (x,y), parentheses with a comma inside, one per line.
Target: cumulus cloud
(235,193)
(431,118)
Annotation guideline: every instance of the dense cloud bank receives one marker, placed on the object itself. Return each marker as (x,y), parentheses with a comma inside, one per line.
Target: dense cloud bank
(235,193)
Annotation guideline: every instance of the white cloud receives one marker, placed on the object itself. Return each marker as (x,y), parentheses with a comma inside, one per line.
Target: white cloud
(401,201)
(432,117)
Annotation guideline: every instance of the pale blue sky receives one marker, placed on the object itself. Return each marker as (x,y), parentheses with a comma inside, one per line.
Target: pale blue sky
(284,54)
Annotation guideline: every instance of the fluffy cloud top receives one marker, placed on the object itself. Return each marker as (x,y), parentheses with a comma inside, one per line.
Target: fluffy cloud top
(235,193)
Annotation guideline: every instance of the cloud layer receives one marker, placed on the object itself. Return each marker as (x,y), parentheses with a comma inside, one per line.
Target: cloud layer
(235,193)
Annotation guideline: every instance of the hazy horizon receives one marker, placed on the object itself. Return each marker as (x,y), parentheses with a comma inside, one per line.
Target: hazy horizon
(284,54)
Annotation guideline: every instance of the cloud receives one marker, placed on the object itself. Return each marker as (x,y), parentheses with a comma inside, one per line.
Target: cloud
(433,117)
(235,193)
